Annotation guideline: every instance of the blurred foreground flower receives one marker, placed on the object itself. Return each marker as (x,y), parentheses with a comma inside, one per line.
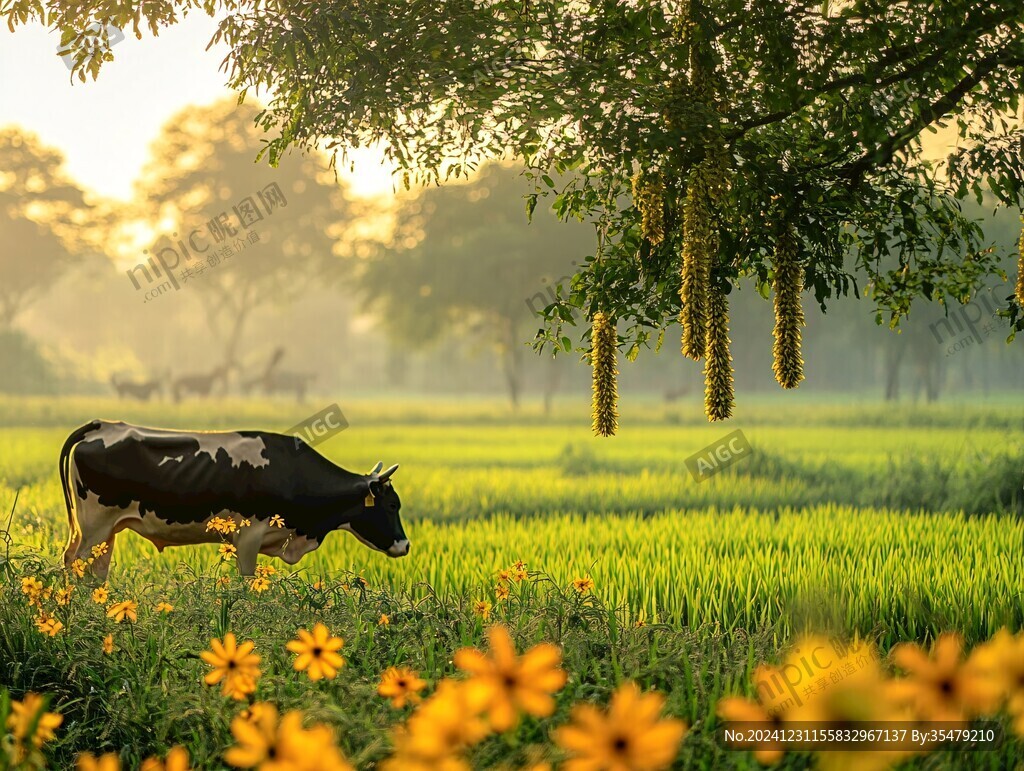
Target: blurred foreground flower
(401,685)
(942,686)
(629,736)
(108,644)
(30,711)
(177,760)
(437,734)
(267,743)
(502,683)
(108,762)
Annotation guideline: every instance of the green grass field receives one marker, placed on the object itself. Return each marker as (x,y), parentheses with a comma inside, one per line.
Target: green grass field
(894,525)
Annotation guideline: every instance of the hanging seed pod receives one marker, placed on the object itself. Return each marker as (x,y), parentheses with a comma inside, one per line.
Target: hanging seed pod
(602,358)
(649,197)
(718,382)
(788,363)
(1020,267)
(699,247)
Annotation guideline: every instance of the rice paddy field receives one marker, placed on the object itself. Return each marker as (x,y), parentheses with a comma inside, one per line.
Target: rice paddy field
(860,522)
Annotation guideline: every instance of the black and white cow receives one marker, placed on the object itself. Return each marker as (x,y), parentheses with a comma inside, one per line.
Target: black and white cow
(167,486)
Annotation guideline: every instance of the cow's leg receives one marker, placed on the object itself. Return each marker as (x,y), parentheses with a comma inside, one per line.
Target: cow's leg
(248,542)
(99,525)
(74,543)
(101,565)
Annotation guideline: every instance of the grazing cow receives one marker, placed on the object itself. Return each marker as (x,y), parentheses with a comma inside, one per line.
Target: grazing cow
(139,389)
(198,384)
(168,486)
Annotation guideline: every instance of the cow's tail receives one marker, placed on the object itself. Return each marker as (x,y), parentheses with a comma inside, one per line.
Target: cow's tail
(65,472)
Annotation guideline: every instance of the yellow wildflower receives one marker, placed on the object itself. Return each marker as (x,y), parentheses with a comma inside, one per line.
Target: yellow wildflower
(317,653)
(402,685)
(120,611)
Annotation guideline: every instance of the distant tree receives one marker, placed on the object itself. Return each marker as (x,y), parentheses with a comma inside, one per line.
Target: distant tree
(40,212)
(239,234)
(463,259)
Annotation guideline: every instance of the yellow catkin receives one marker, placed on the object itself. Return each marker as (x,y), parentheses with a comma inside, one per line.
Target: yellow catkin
(603,356)
(788,363)
(649,198)
(718,380)
(698,248)
(1020,267)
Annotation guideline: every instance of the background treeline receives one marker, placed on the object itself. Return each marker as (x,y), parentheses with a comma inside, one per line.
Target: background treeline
(430,291)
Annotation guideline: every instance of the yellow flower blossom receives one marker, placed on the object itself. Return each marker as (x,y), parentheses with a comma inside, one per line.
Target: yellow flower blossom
(384,620)
(401,685)
(437,734)
(583,584)
(177,760)
(629,736)
(233,665)
(482,608)
(317,653)
(505,683)
(265,742)
(276,521)
(227,551)
(259,585)
(163,607)
(25,712)
(108,644)
(120,611)
(100,595)
(48,625)
(78,568)
(108,762)
(99,549)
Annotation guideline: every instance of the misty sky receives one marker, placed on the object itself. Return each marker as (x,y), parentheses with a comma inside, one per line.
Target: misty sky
(104,128)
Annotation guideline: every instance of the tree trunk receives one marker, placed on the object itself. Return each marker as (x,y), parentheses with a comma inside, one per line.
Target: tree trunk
(512,364)
(893,357)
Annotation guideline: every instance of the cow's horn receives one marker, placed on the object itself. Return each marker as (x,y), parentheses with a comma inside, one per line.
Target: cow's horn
(376,469)
(387,474)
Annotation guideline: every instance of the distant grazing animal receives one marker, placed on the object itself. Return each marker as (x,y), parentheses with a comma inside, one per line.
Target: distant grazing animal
(276,381)
(198,384)
(281,496)
(139,389)
(673,394)
(287,382)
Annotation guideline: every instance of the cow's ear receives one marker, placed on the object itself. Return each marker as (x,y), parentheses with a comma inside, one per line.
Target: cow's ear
(375,487)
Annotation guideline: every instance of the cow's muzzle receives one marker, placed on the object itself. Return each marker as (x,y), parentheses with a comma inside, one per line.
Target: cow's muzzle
(399,548)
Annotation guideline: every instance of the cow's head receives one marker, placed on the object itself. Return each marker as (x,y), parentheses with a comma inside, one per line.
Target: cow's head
(378,524)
